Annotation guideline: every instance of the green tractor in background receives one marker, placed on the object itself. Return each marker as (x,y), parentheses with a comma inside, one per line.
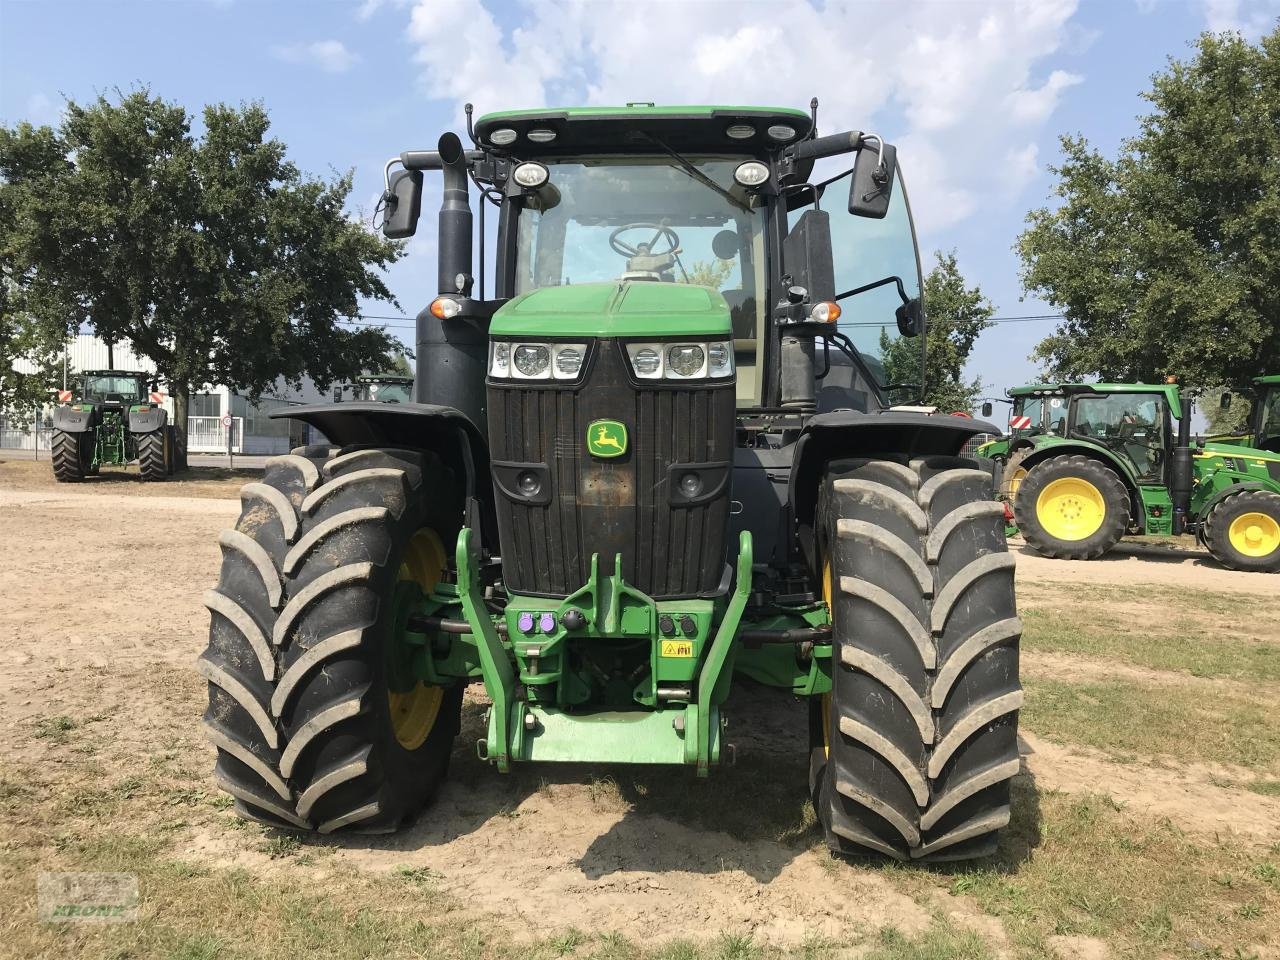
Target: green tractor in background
(377,388)
(1264,422)
(617,492)
(112,417)
(1034,409)
(1108,460)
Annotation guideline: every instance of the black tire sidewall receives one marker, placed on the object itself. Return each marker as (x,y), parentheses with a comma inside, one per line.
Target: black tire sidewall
(1219,525)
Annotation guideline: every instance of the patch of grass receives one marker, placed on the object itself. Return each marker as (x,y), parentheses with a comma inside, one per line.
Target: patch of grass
(942,941)
(1131,719)
(280,845)
(1082,866)
(1154,643)
(54,728)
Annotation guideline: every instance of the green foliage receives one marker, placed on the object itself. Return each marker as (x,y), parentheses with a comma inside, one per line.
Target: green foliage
(1232,421)
(710,273)
(1166,260)
(216,256)
(957,315)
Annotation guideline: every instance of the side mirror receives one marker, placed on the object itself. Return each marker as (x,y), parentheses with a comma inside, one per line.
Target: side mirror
(872,183)
(403,201)
(910,318)
(1224,402)
(337,394)
(988,409)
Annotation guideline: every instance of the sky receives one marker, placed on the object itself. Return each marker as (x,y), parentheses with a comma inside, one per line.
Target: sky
(974,94)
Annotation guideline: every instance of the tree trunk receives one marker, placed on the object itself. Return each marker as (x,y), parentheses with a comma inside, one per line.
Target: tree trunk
(181,393)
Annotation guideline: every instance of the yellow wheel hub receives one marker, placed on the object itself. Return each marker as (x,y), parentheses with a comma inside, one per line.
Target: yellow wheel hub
(414,712)
(1071,508)
(1255,534)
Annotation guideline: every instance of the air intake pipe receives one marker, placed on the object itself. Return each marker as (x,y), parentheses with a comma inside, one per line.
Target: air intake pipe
(1180,477)
(455,219)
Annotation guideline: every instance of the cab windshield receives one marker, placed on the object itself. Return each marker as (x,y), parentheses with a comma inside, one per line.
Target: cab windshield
(1269,419)
(112,389)
(385,392)
(651,219)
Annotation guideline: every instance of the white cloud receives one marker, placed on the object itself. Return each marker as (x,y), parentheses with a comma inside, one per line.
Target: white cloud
(368,8)
(332,56)
(961,84)
(1251,18)
(42,110)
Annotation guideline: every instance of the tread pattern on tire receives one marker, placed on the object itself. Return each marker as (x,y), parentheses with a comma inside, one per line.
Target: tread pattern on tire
(925,700)
(1115,523)
(297,706)
(151,459)
(1217,526)
(68,456)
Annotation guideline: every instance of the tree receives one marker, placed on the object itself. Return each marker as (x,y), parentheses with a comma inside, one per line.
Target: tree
(957,314)
(215,257)
(1166,260)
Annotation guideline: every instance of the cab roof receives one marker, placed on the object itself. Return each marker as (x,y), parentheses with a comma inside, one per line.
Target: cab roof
(1061,388)
(114,373)
(1268,381)
(628,128)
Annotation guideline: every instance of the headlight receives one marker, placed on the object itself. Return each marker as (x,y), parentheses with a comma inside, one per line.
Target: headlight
(681,361)
(686,360)
(500,359)
(536,361)
(532,361)
(568,360)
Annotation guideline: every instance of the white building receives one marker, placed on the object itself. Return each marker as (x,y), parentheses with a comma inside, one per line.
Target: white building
(252,432)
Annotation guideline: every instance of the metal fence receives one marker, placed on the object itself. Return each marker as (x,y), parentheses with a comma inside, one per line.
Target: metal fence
(208,435)
(34,434)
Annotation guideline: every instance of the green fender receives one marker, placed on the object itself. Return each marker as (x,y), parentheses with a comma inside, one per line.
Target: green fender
(1048,447)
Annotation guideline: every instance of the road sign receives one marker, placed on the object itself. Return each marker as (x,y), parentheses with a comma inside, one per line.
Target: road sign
(226,420)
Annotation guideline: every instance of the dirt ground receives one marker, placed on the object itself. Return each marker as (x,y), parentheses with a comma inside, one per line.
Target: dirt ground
(102,622)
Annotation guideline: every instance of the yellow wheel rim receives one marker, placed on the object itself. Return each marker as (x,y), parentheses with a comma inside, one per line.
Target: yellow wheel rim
(1071,508)
(1255,534)
(414,712)
(1015,481)
(828,593)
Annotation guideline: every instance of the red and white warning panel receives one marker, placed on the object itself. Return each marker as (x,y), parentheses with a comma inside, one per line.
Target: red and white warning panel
(157,396)
(64,396)
(1019,423)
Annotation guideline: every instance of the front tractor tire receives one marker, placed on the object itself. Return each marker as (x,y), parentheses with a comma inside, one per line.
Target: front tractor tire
(913,750)
(1072,508)
(317,722)
(1242,531)
(155,455)
(72,456)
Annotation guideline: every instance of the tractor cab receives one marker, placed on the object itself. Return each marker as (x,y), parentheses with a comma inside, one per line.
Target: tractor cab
(113,388)
(1039,408)
(1266,414)
(383,389)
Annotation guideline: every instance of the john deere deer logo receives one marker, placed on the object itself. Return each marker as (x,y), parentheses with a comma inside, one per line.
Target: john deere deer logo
(606,438)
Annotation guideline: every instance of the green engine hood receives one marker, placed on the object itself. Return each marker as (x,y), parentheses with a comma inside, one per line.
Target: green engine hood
(627,308)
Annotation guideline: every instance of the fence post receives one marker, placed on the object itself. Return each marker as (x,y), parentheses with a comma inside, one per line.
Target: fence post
(35,433)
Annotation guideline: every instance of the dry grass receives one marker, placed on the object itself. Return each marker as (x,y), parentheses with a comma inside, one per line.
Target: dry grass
(203,482)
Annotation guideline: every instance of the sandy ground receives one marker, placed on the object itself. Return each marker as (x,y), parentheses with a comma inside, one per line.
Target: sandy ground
(102,619)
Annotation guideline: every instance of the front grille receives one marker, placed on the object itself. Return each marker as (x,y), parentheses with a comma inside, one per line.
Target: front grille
(615,506)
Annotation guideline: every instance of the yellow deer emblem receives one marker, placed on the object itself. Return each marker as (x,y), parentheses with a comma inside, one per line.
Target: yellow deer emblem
(607,438)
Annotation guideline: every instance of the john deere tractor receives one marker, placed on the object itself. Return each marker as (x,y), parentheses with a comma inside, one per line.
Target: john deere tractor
(618,491)
(1034,409)
(112,417)
(1265,422)
(1121,460)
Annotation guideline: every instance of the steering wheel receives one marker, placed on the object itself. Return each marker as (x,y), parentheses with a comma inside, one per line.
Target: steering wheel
(661,232)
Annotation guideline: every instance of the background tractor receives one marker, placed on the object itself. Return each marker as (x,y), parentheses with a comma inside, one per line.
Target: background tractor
(383,388)
(111,417)
(1264,423)
(1034,409)
(617,491)
(1120,460)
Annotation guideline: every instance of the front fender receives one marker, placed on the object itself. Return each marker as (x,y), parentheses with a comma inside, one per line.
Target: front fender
(847,433)
(147,421)
(444,431)
(1059,448)
(70,420)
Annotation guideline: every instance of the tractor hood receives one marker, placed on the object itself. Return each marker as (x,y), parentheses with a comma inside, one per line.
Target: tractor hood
(1242,450)
(627,308)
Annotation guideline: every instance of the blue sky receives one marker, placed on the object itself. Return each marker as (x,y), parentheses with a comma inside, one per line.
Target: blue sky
(974,93)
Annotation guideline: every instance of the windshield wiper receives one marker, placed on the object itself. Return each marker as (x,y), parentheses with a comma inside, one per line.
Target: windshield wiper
(698,175)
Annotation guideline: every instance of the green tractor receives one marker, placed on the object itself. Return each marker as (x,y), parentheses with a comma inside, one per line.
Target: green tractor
(618,492)
(1034,409)
(1264,424)
(1117,459)
(381,388)
(113,417)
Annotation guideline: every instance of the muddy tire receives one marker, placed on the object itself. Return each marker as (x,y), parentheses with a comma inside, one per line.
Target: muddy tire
(309,732)
(1242,531)
(913,750)
(72,455)
(1072,508)
(154,455)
